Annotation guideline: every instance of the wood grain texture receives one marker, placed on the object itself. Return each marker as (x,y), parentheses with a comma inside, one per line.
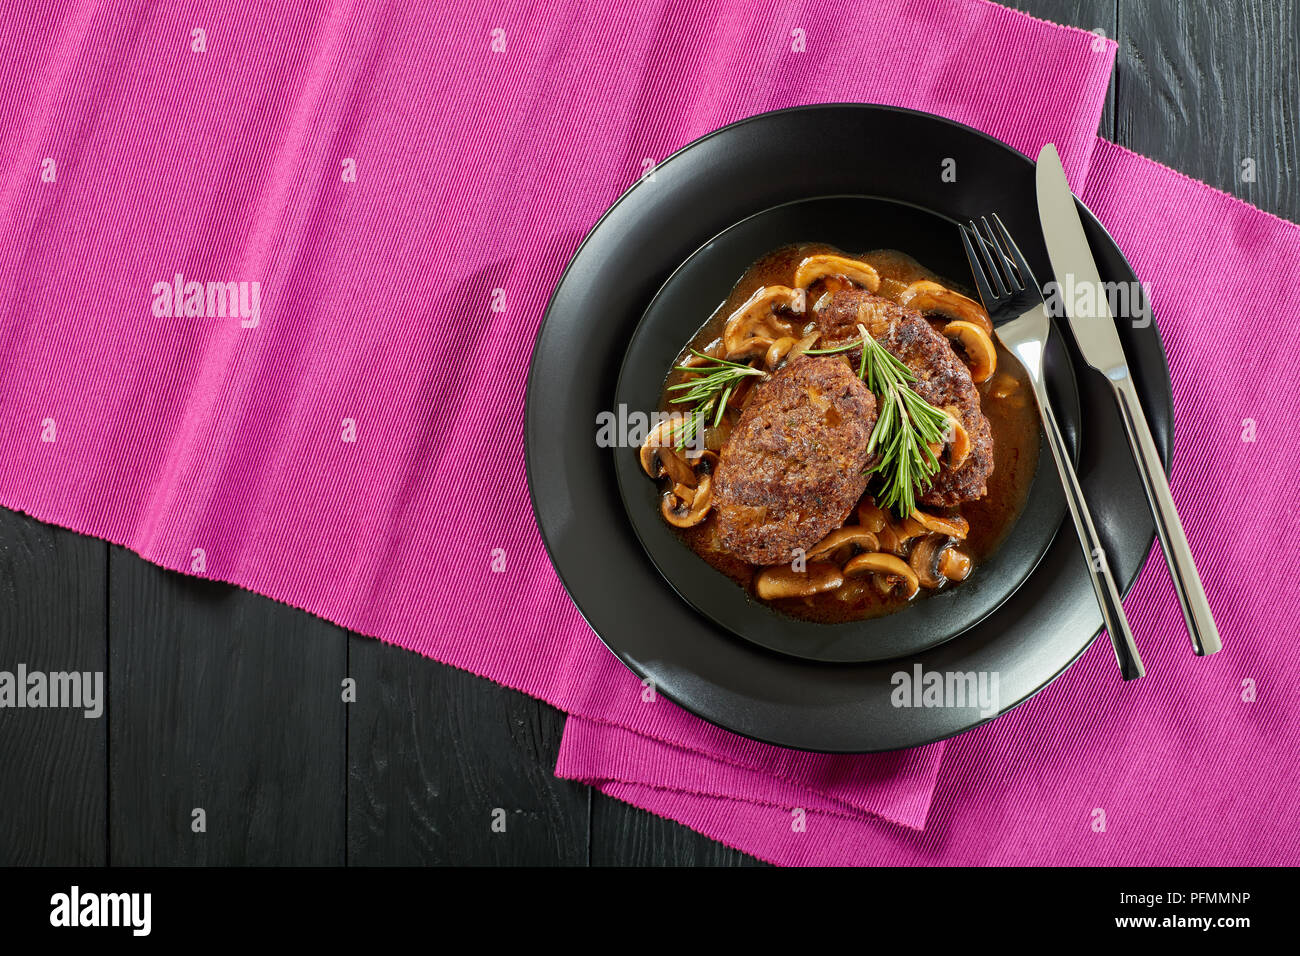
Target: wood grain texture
(437,755)
(53,761)
(226,701)
(622,835)
(1204,87)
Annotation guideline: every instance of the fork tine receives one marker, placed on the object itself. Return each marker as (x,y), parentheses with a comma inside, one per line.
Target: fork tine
(1008,267)
(995,274)
(1026,274)
(977,270)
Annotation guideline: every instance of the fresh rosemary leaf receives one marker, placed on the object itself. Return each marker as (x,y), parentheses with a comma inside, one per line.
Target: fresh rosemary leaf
(709,392)
(906,425)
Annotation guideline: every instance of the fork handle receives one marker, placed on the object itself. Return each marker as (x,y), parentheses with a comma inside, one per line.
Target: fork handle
(1094,555)
(1173,540)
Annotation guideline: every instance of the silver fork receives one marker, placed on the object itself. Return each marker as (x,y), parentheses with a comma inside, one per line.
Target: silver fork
(1020,320)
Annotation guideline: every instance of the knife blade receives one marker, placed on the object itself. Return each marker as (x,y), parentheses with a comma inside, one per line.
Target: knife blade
(1072,262)
(1098,340)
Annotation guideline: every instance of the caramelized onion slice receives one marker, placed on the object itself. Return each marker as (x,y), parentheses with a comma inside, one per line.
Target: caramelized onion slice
(871,517)
(777,351)
(803,345)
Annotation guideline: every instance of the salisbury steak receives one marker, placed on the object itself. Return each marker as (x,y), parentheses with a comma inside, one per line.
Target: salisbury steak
(942,379)
(792,468)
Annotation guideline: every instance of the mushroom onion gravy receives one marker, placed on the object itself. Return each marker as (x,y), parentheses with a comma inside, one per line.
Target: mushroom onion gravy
(765,455)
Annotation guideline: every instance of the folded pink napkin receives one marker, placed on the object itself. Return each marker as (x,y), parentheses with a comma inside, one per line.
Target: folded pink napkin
(373,206)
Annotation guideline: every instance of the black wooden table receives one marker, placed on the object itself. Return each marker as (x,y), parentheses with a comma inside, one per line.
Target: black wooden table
(226,701)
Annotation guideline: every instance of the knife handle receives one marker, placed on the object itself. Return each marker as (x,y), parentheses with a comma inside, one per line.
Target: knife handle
(1094,555)
(1169,529)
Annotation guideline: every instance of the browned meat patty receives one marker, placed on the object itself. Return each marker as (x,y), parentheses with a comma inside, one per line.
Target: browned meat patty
(942,379)
(792,468)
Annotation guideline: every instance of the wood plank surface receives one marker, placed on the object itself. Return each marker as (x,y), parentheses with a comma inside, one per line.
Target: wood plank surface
(448,768)
(53,761)
(1206,87)
(226,702)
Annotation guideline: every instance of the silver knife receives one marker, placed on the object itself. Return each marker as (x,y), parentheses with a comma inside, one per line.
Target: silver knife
(1098,340)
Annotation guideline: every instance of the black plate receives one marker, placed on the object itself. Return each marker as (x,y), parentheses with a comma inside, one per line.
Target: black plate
(692,292)
(713,183)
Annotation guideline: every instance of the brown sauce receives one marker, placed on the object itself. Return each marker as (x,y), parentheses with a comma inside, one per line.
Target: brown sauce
(1006,401)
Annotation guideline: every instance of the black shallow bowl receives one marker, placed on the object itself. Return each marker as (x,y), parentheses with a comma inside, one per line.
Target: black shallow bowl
(712,184)
(692,292)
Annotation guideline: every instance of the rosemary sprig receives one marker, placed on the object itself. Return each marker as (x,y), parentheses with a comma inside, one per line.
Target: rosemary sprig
(906,425)
(709,392)
(849,347)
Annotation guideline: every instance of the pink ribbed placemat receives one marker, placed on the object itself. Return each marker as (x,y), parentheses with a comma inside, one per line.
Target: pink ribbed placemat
(405,190)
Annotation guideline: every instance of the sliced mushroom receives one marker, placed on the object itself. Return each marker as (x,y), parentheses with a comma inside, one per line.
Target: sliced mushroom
(841,538)
(754,319)
(925,560)
(955,565)
(927,296)
(659,457)
(819,267)
(981,357)
(954,526)
(957,440)
(687,514)
(894,537)
(706,462)
(783,581)
(892,572)
(748,348)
